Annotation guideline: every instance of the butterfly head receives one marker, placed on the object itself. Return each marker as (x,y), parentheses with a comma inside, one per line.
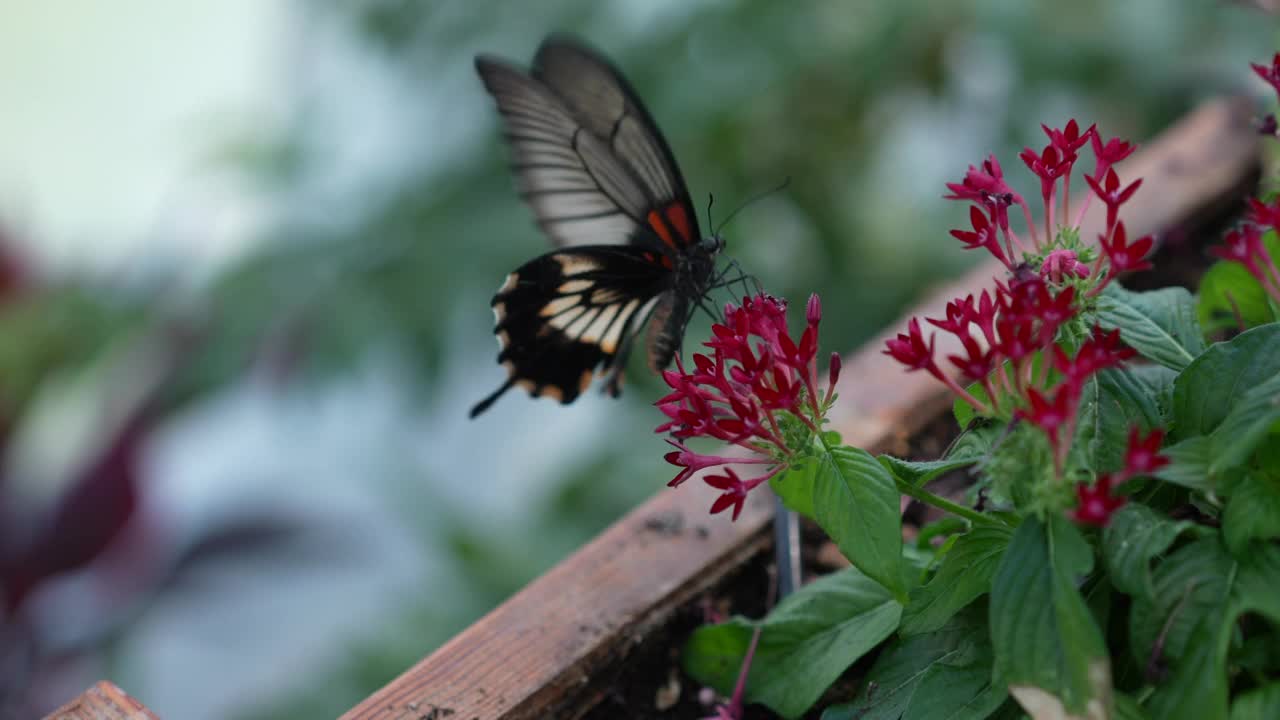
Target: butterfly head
(712,244)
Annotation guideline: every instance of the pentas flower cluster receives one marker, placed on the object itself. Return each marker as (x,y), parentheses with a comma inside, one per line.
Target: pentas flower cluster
(1096,502)
(991,195)
(755,384)
(1270,74)
(1011,337)
(1244,245)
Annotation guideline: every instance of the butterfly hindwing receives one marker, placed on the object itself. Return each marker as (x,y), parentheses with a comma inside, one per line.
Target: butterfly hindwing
(564,316)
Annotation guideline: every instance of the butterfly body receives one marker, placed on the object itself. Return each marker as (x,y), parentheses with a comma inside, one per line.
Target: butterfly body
(603,185)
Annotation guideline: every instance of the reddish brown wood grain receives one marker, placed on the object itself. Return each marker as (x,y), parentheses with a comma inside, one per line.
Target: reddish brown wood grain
(103,701)
(534,655)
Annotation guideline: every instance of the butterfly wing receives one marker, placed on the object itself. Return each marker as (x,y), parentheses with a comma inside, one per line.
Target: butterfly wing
(564,316)
(586,154)
(579,191)
(606,105)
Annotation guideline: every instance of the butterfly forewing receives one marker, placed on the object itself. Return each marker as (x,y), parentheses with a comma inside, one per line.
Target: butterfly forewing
(578,190)
(602,100)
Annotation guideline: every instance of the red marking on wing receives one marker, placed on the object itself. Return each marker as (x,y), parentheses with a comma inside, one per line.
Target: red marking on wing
(660,227)
(680,220)
(657,259)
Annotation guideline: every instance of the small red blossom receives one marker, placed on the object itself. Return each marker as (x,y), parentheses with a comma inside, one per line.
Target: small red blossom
(1142,457)
(1263,213)
(1267,125)
(735,491)
(1271,74)
(1069,140)
(1109,191)
(1050,415)
(1050,165)
(911,349)
(1244,245)
(1060,264)
(1123,256)
(1096,503)
(692,462)
(984,235)
(1109,153)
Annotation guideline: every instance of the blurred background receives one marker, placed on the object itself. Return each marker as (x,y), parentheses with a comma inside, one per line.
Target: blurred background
(246,254)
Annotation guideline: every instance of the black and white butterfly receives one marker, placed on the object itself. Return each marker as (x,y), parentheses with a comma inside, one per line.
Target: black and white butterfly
(603,185)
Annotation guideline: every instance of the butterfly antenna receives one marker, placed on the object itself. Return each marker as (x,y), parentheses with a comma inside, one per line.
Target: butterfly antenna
(755,198)
(711,200)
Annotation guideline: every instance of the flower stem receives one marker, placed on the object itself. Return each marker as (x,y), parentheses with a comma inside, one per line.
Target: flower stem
(944,504)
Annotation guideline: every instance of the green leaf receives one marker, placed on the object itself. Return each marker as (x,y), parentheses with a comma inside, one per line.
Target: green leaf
(1257,580)
(1135,535)
(1128,709)
(1228,288)
(1244,428)
(1186,586)
(965,575)
(1252,513)
(1207,391)
(795,486)
(808,640)
(1198,686)
(1160,324)
(1259,704)
(943,674)
(856,502)
(921,473)
(1189,463)
(1114,401)
(1048,648)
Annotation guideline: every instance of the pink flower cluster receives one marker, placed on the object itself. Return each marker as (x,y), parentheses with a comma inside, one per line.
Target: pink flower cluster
(737,394)
(992,196)
(1003,332)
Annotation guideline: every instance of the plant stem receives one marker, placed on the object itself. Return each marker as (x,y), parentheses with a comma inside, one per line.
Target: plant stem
(944,504)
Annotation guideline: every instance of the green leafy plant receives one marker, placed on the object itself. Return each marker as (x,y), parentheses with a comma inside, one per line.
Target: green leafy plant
(1120,558)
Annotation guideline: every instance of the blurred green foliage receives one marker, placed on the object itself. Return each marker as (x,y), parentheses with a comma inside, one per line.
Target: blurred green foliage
(867,106)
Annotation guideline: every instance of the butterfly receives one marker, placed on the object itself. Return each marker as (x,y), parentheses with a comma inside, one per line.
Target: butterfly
(603,185)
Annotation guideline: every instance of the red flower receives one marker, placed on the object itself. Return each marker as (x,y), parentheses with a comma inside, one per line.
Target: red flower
(1141,456)
(1244,245)
(1050,165)
(1270,74)
(1109,191)
(692,462)
(1050,415)
(735,490)
(1053,311)
(1123,256)
(1264,214)
(1101,351)
(983,235)
(1096,502)
(910,349)
(1110,153)
(976,365)
(1069,140)
(755,370)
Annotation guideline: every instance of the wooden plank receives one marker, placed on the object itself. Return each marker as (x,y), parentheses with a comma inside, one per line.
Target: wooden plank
(103,701)
(534,655)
